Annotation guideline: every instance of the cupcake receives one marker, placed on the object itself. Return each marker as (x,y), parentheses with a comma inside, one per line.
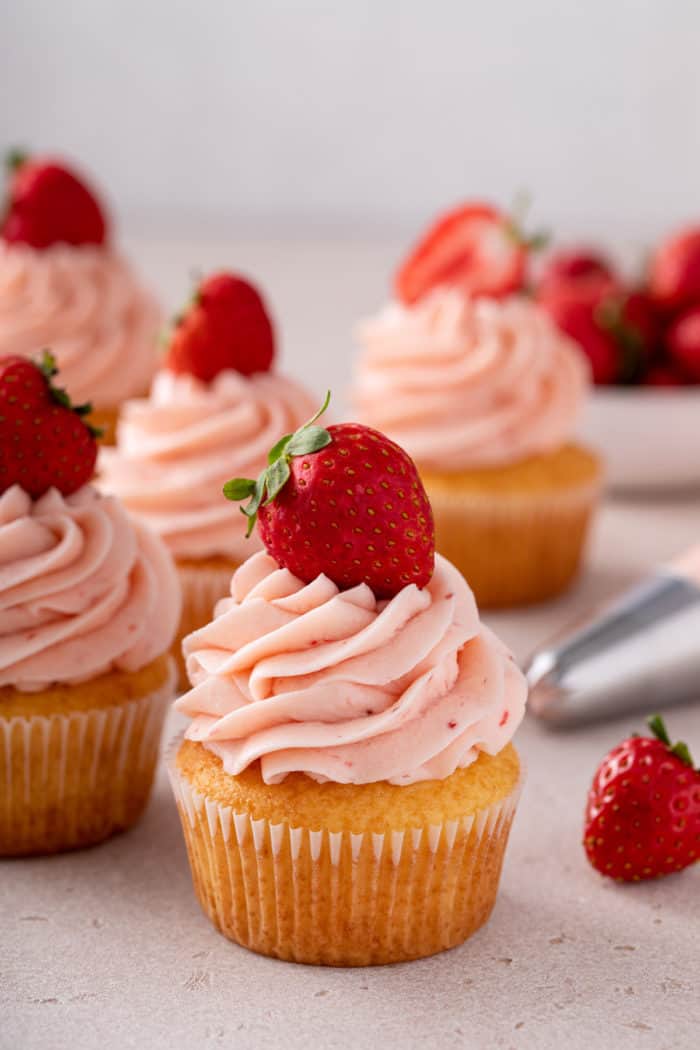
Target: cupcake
(63,285)
(214,409)
(89,603)
(483,390)
(347,782)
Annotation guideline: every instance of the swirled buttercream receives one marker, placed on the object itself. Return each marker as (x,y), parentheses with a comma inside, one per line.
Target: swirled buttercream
(177,448)
(83,589)
(342,687)
(463,383)
(86,305)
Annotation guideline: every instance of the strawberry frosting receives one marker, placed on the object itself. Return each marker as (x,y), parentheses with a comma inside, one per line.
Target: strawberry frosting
(463,383)
(86,305)
(177,448)
(342,687)
(83,590)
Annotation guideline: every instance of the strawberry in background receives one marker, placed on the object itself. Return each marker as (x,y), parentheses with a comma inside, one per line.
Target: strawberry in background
(615,326)
(476,248)
(48,203)
(226,325)
(674,275)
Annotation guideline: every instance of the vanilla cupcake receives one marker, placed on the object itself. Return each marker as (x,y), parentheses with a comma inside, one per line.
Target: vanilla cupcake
(214,409)
(347,782)
(63,285)
(485,393)
(89,604)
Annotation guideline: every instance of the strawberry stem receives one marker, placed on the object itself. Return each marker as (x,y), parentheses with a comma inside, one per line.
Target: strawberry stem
(680,750)
(15,159)
(303,442)
(515,224)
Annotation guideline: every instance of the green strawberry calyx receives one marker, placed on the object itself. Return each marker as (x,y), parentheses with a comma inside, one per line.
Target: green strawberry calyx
(307,439)
(680,750)
(49,369)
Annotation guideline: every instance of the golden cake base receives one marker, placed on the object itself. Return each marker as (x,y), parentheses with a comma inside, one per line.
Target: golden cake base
(345,875)
(517,533)
(77,762)
(106,419)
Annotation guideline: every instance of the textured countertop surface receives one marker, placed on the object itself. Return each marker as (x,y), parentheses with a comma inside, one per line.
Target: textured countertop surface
(107,948)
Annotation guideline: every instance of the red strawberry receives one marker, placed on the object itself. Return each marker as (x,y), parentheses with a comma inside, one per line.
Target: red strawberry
(674,278)
(225,327)
(573,307)
(616,328)
(44,439)
(475,248)
(48,204)
(663,375)
(346,502)
(643,812)
(683,342)
(575,265)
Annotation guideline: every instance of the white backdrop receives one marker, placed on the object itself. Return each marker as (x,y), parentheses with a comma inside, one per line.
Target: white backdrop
(344,114)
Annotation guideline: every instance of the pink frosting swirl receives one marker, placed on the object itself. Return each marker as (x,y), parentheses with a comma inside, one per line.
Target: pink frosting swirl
(86,305)
(83,590)
(342,687)
(463,383)
(177,448)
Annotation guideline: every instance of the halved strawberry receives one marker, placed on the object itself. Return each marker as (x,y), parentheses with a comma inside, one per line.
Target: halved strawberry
(475,248)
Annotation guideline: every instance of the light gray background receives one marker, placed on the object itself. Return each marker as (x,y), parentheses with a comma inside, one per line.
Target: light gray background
(321,114)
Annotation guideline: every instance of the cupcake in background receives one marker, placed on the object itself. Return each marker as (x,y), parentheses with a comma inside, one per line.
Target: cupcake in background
(476,381)
(214,410)
(63,285)
(89,604)
(347,783)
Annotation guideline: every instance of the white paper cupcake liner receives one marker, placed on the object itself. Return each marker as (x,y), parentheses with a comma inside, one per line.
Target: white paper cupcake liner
(341,898)
(68,780)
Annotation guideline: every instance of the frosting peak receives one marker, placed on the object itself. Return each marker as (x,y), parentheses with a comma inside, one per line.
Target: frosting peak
(83,590)
(178,447)
(342,687)
(86,305)
(464,383)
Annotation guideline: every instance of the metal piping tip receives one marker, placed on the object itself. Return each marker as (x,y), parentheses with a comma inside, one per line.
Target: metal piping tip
(640,653)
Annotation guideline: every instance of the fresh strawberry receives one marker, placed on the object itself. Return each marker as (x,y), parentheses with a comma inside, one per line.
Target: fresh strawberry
(346,502)
(45,440)
(48,204)
(683,343)
(475,248)
(574,265)
(674,278)
(663,375)
(617,328)
(574,308)
(225,326)
(643,812)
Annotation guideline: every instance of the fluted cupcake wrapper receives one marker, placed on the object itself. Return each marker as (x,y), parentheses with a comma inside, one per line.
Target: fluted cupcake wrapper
(339,898)
(72,780)
(202,587)
(514,549)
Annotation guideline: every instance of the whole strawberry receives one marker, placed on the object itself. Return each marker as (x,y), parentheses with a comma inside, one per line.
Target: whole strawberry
(48,204)
(674,277)
(616,327)
(346,502)
(44,439)
(643,812)
(682,342)
(475,248)
(225,326)
(573,265)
